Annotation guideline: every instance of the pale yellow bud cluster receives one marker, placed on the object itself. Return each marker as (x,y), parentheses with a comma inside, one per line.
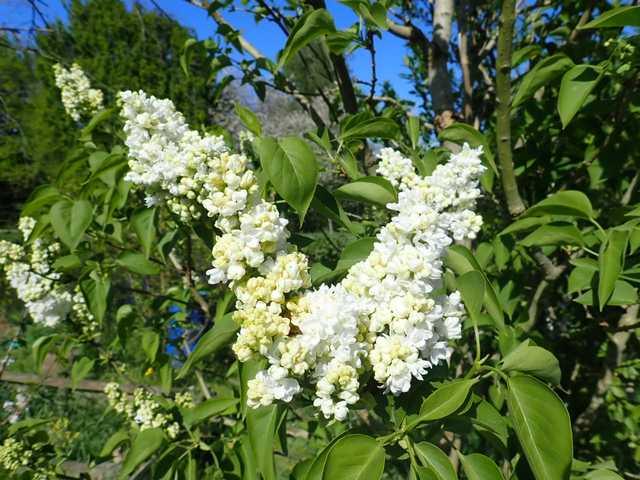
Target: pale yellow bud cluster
(78,98)
(259,328)
(261,310)
(14,454)
(184,400)
(142,410)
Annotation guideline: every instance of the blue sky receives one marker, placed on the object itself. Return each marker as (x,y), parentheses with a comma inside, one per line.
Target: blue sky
(267,37)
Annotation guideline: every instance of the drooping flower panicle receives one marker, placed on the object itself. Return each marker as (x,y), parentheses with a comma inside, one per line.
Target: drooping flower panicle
(79,99)
(388,316)
(28,270)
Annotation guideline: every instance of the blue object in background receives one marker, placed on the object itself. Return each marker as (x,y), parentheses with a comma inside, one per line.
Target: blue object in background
(178,331)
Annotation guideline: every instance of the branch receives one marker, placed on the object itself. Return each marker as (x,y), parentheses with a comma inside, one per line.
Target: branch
(248,47)
(435,54)
(416,37)
(465,64)
(374,76)
(503,110)
(439,81)
(345,84)
(614,358)
(584,18)
(95,386)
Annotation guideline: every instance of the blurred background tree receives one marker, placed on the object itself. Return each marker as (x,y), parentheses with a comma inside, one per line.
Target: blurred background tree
(120,49)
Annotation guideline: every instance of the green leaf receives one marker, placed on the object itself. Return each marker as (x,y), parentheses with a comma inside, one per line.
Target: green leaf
(144,445)
(184,56)
(375,15)
(526,223)
(95,289)
(349,164)
(553,234)
(326,204)
(68,262)
(545,71)
(525,53)
(355,457)
(40,348)
(342,41)
(292,169)
(580,279)
(100,117)
(27,424)
(165,374)
(422,473)
(375,190)
(137,263)
(602,474)
(114,441)
(301,470)
(207,409)
(413,128)
(150,344)
(461,260)
(249,119)
(355,252)
(80,370)
(611,261)
(461,133)
(567,202)
(143,223)
(191,469)
(488,420)
(220,335)
(616,17)
(623,294)
(471,286)
(166,243)
(535,361)
(542,426)
(105,167)
(479,467)
(363,125)
(310,26)
(42,196)
(436,460)
(444,401)
(70,220)
(316,469)
(262,425)
(575,87)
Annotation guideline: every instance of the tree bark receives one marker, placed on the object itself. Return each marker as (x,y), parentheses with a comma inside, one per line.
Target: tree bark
(438,75)
(465,63)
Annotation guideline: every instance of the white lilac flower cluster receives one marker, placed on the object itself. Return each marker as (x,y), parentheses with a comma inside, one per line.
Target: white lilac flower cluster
(387,316)
(79,99)
(143,411)
(193,173)
(28,270)
(190,171)
(15,408)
